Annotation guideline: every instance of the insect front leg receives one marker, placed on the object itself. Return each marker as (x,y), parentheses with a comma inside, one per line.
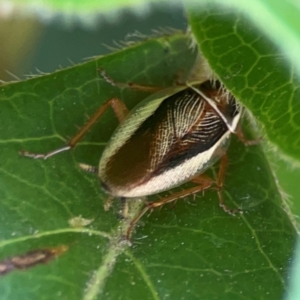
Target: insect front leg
(120,111)
(133,85)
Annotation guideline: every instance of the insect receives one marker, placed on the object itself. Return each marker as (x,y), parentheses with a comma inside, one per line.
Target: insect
(170,138)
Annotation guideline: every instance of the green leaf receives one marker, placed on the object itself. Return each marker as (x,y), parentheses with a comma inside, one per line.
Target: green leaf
(193,250)
(257,71)
(254,70)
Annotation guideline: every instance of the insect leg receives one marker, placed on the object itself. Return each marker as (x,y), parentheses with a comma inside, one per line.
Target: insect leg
(108,203)
(88,168)
(131,85)
(204,182)
(123,214)
(119,109)
(220,184)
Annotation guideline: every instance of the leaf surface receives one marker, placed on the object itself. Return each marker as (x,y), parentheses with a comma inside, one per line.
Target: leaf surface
(254,70)
(191,250)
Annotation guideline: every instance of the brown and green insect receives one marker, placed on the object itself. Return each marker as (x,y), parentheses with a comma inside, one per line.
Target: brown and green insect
(170,138)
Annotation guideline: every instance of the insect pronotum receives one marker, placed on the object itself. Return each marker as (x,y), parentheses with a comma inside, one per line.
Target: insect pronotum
(170,138)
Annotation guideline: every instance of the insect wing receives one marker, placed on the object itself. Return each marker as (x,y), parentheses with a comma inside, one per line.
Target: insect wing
(162,144)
